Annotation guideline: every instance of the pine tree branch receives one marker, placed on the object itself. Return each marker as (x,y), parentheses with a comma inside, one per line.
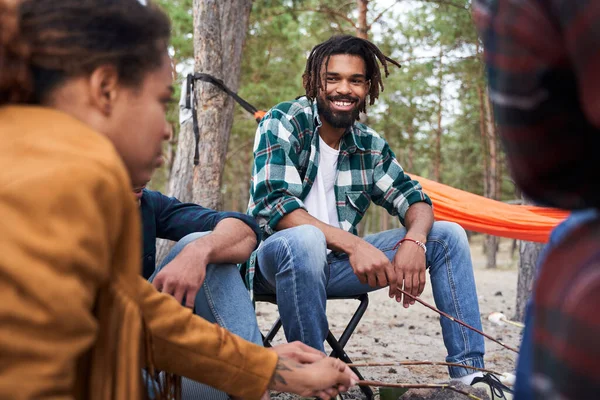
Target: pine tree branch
(378,17)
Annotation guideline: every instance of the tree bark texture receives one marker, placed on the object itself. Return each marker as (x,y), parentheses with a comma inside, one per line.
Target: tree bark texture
(437,162)
(219,32)
(529,253)
(483,140)
(362,29)
(180,182)
(491,246)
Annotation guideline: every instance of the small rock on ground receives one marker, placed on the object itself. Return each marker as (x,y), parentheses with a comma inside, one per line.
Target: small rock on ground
(446,394)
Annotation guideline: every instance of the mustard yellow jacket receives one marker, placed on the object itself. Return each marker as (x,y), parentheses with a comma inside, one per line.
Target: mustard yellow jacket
(77,321)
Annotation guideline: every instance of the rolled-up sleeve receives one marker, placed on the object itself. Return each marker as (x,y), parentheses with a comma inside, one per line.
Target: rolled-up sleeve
(276,186)
(175,219)
(393,189)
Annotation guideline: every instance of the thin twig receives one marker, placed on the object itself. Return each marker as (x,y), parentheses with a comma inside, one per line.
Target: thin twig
(406,363)
(417,386)
(378,17)
(458,321)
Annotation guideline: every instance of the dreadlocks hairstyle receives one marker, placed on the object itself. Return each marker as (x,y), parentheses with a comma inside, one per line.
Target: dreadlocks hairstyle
(314,78)
(44,42)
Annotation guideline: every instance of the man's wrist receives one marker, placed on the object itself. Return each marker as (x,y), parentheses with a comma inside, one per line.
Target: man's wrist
(351,245)
(202,249)
(416,242)
(416,236)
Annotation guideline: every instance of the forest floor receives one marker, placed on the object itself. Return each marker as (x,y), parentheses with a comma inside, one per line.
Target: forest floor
(388,332)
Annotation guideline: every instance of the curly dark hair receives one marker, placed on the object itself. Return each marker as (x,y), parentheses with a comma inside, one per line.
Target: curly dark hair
(43,42)
(314,79)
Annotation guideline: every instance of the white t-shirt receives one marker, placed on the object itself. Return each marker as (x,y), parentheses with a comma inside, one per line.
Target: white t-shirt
(320,201)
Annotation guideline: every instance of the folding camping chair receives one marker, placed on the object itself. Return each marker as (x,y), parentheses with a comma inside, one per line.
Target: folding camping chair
(337,345)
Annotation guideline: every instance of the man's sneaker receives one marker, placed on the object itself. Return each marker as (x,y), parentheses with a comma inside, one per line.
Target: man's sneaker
(496,389)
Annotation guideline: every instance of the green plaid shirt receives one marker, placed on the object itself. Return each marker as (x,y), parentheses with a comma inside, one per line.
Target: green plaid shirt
(286,158)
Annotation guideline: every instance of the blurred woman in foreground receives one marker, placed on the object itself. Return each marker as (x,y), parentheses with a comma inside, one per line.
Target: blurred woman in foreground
(84,85)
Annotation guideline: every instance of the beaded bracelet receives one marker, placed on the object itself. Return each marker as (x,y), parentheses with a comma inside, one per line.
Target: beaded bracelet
(418,243)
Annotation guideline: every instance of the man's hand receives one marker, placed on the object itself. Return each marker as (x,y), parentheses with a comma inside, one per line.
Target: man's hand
(184,276)
(299,352)
(372,266)
(409,263)
(324,378)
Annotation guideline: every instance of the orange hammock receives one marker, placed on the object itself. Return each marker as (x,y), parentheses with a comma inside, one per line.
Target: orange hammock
(480,214)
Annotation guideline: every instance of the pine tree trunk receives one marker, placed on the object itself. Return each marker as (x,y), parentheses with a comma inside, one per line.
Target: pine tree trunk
(437,162)
(483,141)
(219,32)
(529,253)
(492,179)
(410,130)
(180,184)
(362,29)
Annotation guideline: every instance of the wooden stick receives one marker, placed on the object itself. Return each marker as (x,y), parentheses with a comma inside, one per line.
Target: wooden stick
(405,363)
(458,321)
(417,386)
(515,323)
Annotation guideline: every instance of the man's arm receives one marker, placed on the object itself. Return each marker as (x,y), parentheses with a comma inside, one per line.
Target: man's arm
(175,219)
(409,261)
(276,186)
(402,196)
(231,241)
(369,264)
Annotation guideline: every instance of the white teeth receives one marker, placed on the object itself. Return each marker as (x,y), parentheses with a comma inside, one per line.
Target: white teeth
(342,103)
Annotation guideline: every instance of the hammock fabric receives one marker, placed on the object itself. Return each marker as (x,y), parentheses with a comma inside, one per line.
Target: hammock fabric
(480,214)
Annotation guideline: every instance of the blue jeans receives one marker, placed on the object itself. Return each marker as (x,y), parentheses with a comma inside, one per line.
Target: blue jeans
(222,299)
(293,264)
(523,389)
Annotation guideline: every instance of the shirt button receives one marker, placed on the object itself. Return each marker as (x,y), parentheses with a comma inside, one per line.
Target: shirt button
(149,258)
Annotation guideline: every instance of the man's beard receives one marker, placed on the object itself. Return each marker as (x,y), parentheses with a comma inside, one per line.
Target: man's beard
(338,119)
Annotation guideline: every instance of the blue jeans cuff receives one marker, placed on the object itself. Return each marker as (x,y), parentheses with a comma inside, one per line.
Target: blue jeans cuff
(457,372)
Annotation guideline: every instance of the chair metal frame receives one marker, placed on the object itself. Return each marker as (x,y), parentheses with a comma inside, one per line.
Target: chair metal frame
(337,345)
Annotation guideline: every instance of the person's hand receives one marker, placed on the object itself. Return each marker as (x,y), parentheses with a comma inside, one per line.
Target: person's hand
(184,276)
(371,266)
(298,352)
(409,263)
(323,379)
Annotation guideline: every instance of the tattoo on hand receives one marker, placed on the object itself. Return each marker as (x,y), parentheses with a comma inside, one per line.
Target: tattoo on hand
(283,365)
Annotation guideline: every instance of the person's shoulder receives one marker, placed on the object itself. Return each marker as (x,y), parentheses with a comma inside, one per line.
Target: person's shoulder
(293,109)
(368,137)
(54,151)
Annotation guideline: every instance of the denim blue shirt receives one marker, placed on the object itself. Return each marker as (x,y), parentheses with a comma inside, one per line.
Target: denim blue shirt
(167,218)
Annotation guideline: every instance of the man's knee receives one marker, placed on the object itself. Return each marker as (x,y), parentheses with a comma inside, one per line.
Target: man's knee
(300,240)
(303,246)
(449,232)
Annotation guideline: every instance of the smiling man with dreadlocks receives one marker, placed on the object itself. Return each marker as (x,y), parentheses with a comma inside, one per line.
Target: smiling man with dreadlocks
(316,171)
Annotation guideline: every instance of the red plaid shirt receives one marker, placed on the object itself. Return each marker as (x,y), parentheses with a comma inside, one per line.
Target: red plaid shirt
(543,64)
